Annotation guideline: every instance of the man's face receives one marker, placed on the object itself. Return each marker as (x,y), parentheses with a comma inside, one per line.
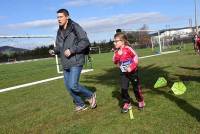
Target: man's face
(62,19)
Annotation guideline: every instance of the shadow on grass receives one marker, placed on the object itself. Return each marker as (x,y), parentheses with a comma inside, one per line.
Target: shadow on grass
(91,88)
(189,77)
(109,77)
(190,68)
(148,76)
(182,104)
(152,74)
(117,94)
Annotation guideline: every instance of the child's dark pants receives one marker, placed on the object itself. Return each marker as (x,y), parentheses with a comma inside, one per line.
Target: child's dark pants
(134,79)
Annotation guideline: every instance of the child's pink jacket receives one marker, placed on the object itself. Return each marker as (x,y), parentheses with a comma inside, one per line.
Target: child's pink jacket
(128,54)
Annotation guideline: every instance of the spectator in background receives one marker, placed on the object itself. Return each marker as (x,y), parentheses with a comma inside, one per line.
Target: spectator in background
(194,42)
(197,44)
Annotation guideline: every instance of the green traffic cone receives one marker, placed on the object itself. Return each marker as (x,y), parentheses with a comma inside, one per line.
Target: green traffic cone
(161,82)
(178,88)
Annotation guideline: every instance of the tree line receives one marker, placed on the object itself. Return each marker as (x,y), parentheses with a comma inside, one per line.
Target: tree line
(137,39)
(38,52)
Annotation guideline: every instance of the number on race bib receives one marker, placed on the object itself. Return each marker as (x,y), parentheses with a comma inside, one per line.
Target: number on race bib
(124,66)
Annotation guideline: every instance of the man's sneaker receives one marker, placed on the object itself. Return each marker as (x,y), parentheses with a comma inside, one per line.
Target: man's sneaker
(141,104)
(80,108)
(92,101)
(126,107)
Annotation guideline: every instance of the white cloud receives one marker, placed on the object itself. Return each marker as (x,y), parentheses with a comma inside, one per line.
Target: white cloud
(99,24)
(95,25)
(33,24)
(122,21)
(2,17)
(91,2)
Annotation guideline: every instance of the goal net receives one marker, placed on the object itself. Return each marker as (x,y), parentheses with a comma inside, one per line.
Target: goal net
(151,40)
(26,59)
(20,48)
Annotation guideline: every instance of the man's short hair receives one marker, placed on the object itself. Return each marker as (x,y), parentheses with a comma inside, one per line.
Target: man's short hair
(66,13)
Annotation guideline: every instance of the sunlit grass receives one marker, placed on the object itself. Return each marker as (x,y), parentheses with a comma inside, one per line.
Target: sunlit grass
(48,108)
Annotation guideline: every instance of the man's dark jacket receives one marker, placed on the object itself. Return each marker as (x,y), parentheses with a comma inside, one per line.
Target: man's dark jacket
(75,39)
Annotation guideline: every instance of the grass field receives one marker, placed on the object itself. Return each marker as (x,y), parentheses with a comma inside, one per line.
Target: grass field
(48,108)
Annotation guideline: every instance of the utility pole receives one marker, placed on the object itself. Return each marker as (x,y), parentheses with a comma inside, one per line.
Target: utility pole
(195,8)
(190,22)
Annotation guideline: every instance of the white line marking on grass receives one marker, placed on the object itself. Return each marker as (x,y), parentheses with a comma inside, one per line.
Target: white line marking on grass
(59,77)
(159,54)
(23,61)
(38,82)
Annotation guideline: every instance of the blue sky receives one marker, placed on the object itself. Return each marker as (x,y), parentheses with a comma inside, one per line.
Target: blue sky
(99,18)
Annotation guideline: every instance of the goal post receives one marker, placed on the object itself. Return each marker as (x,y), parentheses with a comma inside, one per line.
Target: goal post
(87,66)
(144,39)
(26,59)
(157,41)
(28,47)
(25,47)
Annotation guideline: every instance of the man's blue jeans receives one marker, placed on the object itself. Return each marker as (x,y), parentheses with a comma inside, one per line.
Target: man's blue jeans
(71,79)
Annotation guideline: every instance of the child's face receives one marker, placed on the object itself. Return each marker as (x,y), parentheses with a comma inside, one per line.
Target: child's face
(118,42)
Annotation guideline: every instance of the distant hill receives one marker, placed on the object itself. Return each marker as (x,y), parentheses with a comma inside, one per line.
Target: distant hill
(5,49)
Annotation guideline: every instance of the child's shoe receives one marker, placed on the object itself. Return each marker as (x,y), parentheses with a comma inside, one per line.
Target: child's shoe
(141,104)
(126,107)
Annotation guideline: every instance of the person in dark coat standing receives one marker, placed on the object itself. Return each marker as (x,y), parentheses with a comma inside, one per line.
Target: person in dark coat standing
(71,42)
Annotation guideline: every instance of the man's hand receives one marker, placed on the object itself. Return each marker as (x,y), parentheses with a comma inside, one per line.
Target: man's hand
(51,52)
(67,53)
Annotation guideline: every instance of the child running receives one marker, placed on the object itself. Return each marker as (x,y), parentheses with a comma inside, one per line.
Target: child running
(127,60)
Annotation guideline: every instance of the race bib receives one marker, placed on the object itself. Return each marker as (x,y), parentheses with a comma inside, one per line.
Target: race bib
(124,66)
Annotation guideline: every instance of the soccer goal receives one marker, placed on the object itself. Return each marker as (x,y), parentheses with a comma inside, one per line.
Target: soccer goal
(152,41)
(25,60)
